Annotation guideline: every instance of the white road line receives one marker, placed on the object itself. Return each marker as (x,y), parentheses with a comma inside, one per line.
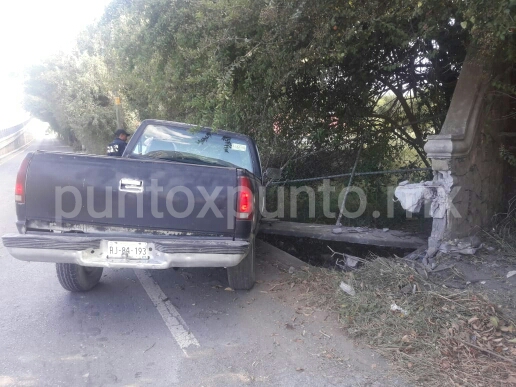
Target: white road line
(173,320)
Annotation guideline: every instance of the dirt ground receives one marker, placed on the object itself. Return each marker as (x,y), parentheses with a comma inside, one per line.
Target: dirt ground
(315,328)
(485,272)
(456,323)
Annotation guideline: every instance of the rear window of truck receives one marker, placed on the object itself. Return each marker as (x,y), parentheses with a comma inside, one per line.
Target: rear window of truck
(192,146)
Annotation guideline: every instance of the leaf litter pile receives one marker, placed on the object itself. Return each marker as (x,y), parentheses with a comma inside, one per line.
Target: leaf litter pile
(434,335)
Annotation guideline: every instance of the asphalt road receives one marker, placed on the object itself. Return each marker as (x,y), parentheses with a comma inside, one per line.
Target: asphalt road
(165,328)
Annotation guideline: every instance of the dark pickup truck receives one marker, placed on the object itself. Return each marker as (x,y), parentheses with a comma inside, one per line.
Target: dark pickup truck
(180,196)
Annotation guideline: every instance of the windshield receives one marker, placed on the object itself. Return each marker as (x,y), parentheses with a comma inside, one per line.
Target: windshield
(192,146)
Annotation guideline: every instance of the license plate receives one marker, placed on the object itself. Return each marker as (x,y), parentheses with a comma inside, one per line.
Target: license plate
(128,250)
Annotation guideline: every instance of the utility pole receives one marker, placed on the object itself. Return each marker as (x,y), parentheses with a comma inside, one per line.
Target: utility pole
(118,111)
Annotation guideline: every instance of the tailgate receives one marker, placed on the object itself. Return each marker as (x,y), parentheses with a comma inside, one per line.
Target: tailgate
(136,194)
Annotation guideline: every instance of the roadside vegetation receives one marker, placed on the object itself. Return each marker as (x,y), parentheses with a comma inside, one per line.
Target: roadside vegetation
(306,79)
(434,335)
(310,81)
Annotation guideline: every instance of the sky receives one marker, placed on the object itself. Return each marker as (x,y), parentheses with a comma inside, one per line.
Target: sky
(30,31)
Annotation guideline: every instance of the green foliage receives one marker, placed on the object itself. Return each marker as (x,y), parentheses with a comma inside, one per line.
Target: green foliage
(307,79)
(73,92)
(314,72)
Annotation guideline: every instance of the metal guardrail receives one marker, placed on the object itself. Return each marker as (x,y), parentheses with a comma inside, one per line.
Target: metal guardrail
(14,138)
(13,129)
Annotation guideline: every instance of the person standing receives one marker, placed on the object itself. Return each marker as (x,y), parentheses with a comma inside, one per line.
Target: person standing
(117,146)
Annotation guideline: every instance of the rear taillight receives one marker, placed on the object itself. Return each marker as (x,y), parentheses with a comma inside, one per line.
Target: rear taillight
(245,199)
(19,189)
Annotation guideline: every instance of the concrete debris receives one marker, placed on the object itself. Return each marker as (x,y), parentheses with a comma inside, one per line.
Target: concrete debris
(474,240)
(420,253)
(385,229)
(447,249)
(465,246)
(511,273)
(347,288)
(410,196)
(396,308)
(346,261)
(351,261)
(337,230)
(413,196)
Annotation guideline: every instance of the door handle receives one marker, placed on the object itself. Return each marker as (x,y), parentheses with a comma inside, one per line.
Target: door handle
(131,185)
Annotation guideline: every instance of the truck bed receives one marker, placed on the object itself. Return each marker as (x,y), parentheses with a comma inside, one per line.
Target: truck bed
(73,192)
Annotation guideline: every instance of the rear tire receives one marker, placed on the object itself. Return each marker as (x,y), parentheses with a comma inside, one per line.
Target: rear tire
(76,278)
(242,276)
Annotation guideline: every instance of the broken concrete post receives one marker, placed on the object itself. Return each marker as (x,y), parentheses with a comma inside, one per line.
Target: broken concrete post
(465,155)
(466,190)
(413,196)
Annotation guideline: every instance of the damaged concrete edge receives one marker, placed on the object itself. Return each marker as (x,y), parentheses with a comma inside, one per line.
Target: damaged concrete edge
(413,196)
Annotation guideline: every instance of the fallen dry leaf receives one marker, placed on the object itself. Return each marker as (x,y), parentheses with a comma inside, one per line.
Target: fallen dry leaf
(472,320)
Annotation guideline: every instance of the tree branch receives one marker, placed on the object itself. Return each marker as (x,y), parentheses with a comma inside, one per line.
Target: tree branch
(406,108)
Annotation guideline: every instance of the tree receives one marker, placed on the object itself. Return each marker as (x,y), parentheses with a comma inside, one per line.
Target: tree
(301,77)
(317,70)
(73,92)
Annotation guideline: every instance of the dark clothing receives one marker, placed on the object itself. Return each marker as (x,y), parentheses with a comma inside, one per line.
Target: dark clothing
(121,131)
(116,147)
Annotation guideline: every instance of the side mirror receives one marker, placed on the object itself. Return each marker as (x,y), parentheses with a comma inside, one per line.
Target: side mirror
(272,173)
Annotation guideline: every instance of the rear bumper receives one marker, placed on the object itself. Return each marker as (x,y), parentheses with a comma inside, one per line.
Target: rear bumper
(92,251)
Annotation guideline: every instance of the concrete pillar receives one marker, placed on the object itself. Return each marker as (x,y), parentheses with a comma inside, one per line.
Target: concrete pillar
(465,155)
